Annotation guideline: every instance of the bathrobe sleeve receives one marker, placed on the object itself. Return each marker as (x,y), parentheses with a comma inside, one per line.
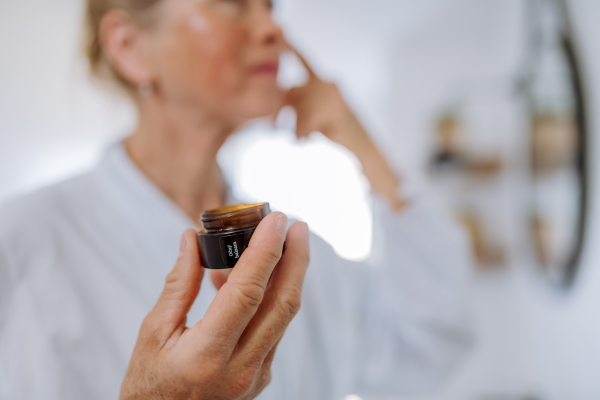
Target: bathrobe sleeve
(27,364)
(402,316)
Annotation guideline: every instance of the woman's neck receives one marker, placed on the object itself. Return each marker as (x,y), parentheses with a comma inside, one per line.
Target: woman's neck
(179,154)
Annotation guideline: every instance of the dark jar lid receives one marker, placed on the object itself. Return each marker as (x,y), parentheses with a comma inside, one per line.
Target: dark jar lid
(234,217)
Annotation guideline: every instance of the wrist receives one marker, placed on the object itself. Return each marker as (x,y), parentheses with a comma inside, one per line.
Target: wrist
(381,176)
(358,141)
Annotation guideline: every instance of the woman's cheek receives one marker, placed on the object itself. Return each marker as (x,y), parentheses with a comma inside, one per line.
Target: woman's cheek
(227,73)
(198,23)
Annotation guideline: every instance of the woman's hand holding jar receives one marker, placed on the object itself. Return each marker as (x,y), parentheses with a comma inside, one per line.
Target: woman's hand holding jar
(228,354)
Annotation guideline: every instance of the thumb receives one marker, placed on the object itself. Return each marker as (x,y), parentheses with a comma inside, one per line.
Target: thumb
(181,289)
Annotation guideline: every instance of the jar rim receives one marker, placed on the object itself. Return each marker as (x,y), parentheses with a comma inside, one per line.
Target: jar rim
(234,217)
(229,211)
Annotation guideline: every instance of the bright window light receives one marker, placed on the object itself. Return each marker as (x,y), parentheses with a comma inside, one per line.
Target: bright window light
(315,180)
(352,397)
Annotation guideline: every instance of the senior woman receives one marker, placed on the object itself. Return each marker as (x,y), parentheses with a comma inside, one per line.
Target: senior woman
(83,262)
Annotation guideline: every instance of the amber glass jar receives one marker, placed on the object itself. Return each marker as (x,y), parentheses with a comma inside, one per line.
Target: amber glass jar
(227,232)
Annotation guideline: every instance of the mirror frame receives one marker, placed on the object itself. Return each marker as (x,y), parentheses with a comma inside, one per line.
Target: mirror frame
(568,271)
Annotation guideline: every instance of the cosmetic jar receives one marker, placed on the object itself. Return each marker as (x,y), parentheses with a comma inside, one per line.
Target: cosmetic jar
(226,233)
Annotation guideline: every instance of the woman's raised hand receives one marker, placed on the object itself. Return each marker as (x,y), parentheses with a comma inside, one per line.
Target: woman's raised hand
(320,107)
(228,354)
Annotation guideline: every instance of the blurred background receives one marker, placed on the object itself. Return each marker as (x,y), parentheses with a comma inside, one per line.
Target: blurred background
(490,106)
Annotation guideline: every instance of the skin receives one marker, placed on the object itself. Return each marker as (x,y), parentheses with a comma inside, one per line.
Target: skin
(201,59)
(228,354)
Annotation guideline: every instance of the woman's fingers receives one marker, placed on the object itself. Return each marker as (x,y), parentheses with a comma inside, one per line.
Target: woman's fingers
(239,298)
(219,277)
(289,97)
(263,377)
(181,289)
(232,348)
(308,115)
(281,303)
(311,73)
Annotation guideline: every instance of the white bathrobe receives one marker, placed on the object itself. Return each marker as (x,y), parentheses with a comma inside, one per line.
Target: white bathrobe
(82,262)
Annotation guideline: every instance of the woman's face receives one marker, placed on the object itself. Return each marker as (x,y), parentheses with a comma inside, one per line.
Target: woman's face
(220,56)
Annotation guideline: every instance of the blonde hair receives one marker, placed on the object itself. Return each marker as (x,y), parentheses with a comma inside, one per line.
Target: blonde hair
(142,11)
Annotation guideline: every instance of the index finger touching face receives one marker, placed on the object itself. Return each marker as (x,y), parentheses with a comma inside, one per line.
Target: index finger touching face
(239,298)
(311,73)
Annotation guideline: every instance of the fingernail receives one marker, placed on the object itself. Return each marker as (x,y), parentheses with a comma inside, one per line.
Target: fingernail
(183,245)
(281,223)
(306,229)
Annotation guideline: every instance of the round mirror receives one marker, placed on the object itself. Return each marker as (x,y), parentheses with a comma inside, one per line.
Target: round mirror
(509,152)
(557,129)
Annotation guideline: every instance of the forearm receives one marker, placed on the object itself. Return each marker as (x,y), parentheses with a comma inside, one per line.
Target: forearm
(381,176)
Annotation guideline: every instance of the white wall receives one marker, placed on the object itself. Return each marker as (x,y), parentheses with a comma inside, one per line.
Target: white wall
(53,122)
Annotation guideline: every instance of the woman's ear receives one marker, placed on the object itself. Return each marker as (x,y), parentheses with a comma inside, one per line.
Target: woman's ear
(125,45)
